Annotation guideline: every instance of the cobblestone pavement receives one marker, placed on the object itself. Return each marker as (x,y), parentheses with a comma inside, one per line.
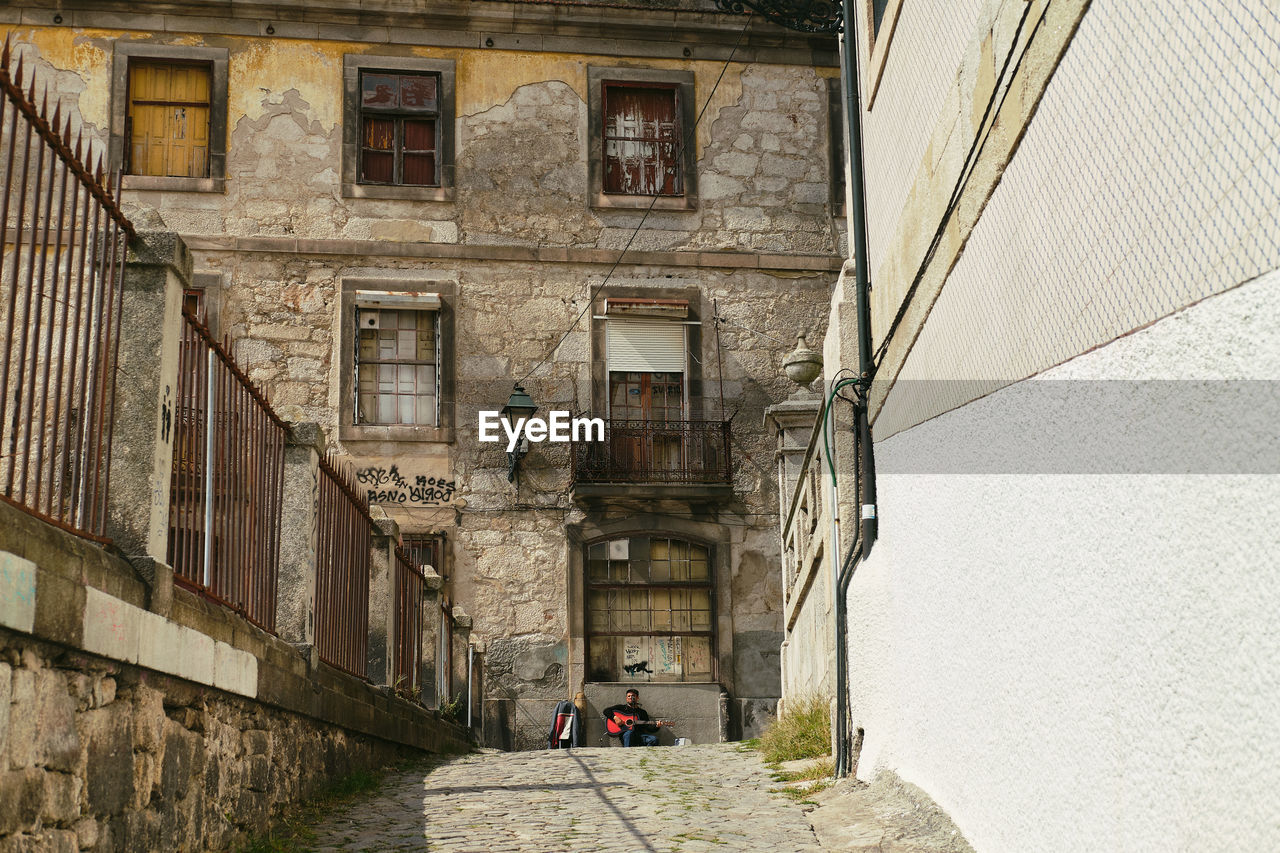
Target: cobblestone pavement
(685,799)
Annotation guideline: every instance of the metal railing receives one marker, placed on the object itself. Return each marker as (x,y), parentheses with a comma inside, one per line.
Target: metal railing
(342,570)
(411,583)
(688,452)
(61,263)
(228,480)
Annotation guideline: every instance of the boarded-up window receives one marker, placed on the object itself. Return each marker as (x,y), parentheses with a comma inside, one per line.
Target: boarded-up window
(396,359)
(399,129)
(168,121)
(650,610)
(642,139)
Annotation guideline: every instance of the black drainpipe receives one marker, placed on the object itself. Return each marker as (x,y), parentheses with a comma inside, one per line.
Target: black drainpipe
(861,546)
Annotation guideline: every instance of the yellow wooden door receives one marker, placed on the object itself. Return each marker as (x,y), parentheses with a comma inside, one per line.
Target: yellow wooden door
(169,113)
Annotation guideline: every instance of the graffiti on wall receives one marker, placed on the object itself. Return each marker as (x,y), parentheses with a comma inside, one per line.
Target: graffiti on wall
(389,486)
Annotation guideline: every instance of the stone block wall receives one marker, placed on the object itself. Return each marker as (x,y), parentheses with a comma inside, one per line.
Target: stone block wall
(122,729)
(102,755)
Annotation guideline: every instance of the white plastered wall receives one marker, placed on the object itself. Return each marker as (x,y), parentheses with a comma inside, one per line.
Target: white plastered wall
(1088,661)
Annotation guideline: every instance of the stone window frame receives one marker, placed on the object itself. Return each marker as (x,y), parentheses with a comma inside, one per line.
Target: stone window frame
(693,378)
(352,65)
(597,75)
(877,45)
(710,585)
(445,428)
(217,58)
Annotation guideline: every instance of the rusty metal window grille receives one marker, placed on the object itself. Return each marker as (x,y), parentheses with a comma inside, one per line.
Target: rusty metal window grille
(167,126)
(399,129)
(642,139)
(227,485)
(650,610)
(61,268)
(397,356)
(426,549)
(410,587)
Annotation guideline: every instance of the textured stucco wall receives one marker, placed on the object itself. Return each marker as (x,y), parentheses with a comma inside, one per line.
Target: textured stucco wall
(1146,180)
(1086,661)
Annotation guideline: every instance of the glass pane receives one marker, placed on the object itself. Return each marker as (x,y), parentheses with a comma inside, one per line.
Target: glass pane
(368,407)
(386,409)
(699,564)
(604,663)
(420,170)
(419,135)
(598,570)
(377,168)
(661,610)
(379,134)
(406,407)
(404,377)
(426,379)
(598,551)
(368,344)
(379,91)
(386,378)
(697,658)
(406,343)
(426,414)
(418,92)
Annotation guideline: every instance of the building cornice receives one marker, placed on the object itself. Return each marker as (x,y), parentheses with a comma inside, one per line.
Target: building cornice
(520,254)
(527,27)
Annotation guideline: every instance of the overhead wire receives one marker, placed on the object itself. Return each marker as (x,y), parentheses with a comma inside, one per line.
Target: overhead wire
(688,138)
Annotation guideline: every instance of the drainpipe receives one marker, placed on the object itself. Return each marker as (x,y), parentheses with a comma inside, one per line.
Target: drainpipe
(868,528)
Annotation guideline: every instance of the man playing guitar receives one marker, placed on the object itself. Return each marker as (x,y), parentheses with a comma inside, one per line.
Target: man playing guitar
(632,722)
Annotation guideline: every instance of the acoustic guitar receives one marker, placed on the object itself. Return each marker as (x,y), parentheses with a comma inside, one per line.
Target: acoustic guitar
(619,723)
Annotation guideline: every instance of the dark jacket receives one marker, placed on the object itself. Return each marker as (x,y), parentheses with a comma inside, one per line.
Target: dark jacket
(565,716)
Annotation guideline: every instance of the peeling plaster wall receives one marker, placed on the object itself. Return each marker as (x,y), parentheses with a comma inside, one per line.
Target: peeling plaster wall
(522,141)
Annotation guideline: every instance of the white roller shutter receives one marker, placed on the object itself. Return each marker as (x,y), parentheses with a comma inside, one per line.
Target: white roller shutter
(644,346)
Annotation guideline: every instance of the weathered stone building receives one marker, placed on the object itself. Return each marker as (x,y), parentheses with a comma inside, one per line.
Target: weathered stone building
(398,210)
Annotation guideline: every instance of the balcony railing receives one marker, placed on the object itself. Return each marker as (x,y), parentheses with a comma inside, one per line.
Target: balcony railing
(688,452)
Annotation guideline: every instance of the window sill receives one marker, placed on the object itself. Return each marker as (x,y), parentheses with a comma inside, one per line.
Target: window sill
(372,432)
(618,201)
(411,193)
(180,185)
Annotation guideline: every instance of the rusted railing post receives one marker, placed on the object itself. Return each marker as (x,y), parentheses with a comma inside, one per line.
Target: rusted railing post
(157,268)
(430,638)
(299,522)
(382,610)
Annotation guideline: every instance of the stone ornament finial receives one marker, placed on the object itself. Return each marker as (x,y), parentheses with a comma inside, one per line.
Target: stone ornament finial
(803,365)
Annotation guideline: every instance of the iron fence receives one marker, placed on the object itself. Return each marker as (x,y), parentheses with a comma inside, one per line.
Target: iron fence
(342,570)
(227,485)
(410,585)
(655,452)
(61,262)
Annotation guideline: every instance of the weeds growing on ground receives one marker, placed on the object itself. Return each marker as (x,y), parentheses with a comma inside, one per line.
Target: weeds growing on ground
(804,731)
(822,769)
(293,832)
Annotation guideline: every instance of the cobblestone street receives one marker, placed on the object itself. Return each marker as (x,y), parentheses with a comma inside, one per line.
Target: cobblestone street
(685,799)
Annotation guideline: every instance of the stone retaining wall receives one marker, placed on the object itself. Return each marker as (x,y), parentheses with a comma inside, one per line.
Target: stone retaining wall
(124,729)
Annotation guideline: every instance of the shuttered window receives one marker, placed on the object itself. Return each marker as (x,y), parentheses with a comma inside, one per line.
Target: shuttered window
(399,129)
(168,119)
(642,139)
(645,346)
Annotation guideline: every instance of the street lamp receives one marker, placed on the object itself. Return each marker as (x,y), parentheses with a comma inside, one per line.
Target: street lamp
(519,408)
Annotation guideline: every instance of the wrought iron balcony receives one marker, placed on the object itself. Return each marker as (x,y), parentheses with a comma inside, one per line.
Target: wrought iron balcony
(667,452)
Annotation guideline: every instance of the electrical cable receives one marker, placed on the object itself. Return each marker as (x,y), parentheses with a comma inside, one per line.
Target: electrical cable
(689,138)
